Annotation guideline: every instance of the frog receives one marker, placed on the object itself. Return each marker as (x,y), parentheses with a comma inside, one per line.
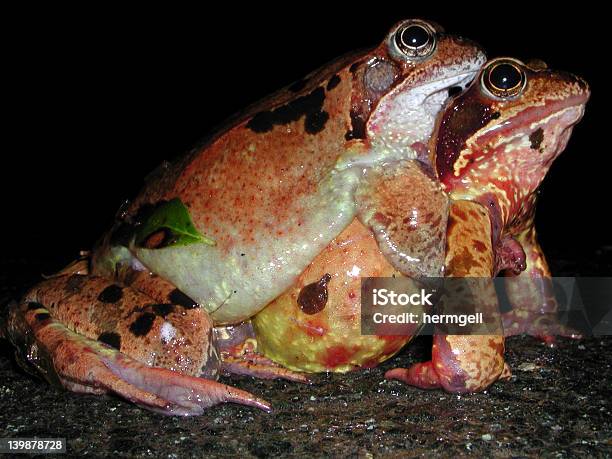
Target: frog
(160,307)
(493,146)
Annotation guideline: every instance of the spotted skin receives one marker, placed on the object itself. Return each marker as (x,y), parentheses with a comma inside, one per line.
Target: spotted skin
(274,191)
(407,211)
(275,186)
(330,339)
(153,335)
(89,366)
(269,191)
(234,359)
(500,163)
(464,363)
(391,115)
(491,154)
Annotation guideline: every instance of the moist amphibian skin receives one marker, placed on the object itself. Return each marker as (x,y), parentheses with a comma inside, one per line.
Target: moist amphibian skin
(493,146)
(333,178)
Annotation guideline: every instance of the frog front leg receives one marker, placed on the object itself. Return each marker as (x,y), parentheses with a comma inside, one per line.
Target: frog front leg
(531,295)
(92,335)
(464,363)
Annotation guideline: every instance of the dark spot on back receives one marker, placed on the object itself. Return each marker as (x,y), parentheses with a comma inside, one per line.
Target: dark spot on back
(536,138)
(315,122)
(112,339)
(353,68)
(290,112)
(111,294)
(34,305)
(162,309)
(41,316)
(333,82)
(313,297)
(143,324)
(298,85)
(74,283)
(261,122)
(178,297)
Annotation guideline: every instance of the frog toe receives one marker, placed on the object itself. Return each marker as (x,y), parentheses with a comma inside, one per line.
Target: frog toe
(182,394)
(243,359)
(421,375)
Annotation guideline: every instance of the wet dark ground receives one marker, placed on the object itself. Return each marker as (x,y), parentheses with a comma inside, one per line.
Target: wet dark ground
(557,404)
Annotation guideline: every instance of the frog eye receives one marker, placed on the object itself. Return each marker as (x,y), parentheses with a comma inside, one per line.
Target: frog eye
(415,39)
(504,78)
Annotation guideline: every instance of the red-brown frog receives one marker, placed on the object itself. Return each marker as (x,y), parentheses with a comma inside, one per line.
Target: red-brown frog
(493,146)
(218,234)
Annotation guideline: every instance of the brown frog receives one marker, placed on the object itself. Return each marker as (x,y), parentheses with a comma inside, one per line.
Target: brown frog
(217,235)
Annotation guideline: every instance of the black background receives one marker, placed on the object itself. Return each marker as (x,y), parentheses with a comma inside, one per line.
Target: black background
(98,98)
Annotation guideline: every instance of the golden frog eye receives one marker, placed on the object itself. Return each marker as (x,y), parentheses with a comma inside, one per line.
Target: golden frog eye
(415,39)
(504,78)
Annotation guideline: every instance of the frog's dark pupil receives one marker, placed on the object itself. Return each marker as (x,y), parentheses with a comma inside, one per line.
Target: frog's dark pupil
(505,76)
(414,36)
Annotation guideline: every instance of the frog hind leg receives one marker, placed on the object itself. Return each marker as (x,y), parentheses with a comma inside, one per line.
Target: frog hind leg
(236,343)
(531,296)
(87,365)
(239,355)
(464,363)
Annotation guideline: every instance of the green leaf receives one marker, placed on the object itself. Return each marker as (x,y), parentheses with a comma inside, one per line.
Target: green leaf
(168,225)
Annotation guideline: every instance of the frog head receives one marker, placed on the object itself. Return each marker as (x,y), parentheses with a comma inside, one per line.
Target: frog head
(400,86)
(497,140)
